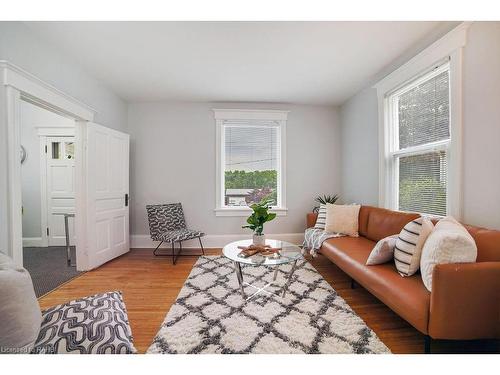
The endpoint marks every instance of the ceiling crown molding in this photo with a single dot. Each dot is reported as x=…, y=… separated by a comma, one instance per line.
x=250, y=114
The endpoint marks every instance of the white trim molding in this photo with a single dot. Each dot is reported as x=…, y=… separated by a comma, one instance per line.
x=245, y=211
x=210, y=241
x=33, y=242
x=42, y=94
x=250, y=114
x=16, y=85
x=279, y=118
x=448, y=48
x=66, y=131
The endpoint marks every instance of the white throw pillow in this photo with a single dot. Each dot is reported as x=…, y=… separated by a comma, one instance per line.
x=449, y=242
x=342, y=219
x=321, y=219
x=409, y=244
x=383, y=251
x=19, y=309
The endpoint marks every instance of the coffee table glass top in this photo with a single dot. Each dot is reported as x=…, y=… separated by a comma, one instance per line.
x=288, y=253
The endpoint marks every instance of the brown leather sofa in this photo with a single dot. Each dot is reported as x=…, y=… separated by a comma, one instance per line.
x=465, y=299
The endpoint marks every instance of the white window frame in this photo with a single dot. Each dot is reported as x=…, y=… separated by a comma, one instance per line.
x=222, y=115
x=449, y=47
x=394, y=153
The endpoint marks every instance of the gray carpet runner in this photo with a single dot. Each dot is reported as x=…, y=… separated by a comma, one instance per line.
x=48, y=268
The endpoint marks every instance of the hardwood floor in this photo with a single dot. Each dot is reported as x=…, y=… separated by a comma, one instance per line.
x=150, y=286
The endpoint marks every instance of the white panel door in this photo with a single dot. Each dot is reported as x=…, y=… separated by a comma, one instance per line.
x=107, y=180
x=60, y=157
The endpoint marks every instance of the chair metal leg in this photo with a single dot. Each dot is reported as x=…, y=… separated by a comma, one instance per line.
x=202, y=249
x=173, y=253
x=180, y=250
x=154, y=251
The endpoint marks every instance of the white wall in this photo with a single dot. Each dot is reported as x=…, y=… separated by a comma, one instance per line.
x=173, y=159
x=21, y=47
x=31, y=118
x=482, y=125
x=359, y=132
x=481, y=137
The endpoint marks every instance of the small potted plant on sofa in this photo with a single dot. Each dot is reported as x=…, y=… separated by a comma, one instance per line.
x=257, y=219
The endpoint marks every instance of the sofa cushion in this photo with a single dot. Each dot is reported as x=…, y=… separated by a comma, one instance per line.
x=377, y=223
x=487, y=242
x=91, y=325
x=19, y=309
x=407, y=296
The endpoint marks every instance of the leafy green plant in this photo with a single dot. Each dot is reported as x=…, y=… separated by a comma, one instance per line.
x=324, y=199
x=259, y=216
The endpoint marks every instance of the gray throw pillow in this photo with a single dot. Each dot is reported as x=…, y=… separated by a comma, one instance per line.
x=19, y=310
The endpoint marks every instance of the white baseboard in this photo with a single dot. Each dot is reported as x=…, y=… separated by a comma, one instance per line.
x=143, y=241
x=32, y=242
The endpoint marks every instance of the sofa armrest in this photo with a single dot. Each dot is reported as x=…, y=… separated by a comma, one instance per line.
x=465, y=301
x=311, y=219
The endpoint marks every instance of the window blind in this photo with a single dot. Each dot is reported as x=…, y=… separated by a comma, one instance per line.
x=250, y=148
x=423, y=118
x=251, y=161
x=424, y=112
x=422, y=183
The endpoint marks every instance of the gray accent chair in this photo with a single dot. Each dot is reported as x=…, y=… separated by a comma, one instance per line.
x=167, y=224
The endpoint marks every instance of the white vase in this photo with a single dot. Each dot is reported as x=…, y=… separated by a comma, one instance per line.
x=259, y=240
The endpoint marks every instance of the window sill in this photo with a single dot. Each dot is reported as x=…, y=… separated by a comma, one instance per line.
x=245, y=211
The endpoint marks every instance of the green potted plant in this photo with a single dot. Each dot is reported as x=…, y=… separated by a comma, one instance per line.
x=324, y=199
x=257, y=219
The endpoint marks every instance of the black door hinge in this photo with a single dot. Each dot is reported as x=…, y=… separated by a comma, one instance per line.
x=47, y=231
x=126, y=200
x=45, y=148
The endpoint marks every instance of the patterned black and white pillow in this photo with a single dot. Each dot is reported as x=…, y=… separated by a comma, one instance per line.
x=91, y=325
x=321, y=219
x=409, y=244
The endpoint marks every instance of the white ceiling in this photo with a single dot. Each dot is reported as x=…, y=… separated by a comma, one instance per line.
x=321, y=63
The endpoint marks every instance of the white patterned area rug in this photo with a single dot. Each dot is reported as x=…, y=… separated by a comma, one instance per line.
x=211, y=316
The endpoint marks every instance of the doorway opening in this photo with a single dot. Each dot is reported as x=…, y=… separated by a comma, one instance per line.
x=48, y=196
x=101, y=178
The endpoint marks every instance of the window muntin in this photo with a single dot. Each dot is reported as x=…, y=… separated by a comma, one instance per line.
x=419, y=114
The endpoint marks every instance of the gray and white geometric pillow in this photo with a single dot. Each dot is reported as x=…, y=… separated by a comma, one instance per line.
x=91, y=325
x=321, y=219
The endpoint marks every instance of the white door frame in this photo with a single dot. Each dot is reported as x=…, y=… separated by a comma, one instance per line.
x=43, y=134
x=15, y=85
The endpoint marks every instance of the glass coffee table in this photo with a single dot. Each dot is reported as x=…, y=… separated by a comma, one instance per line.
x=289, y=253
